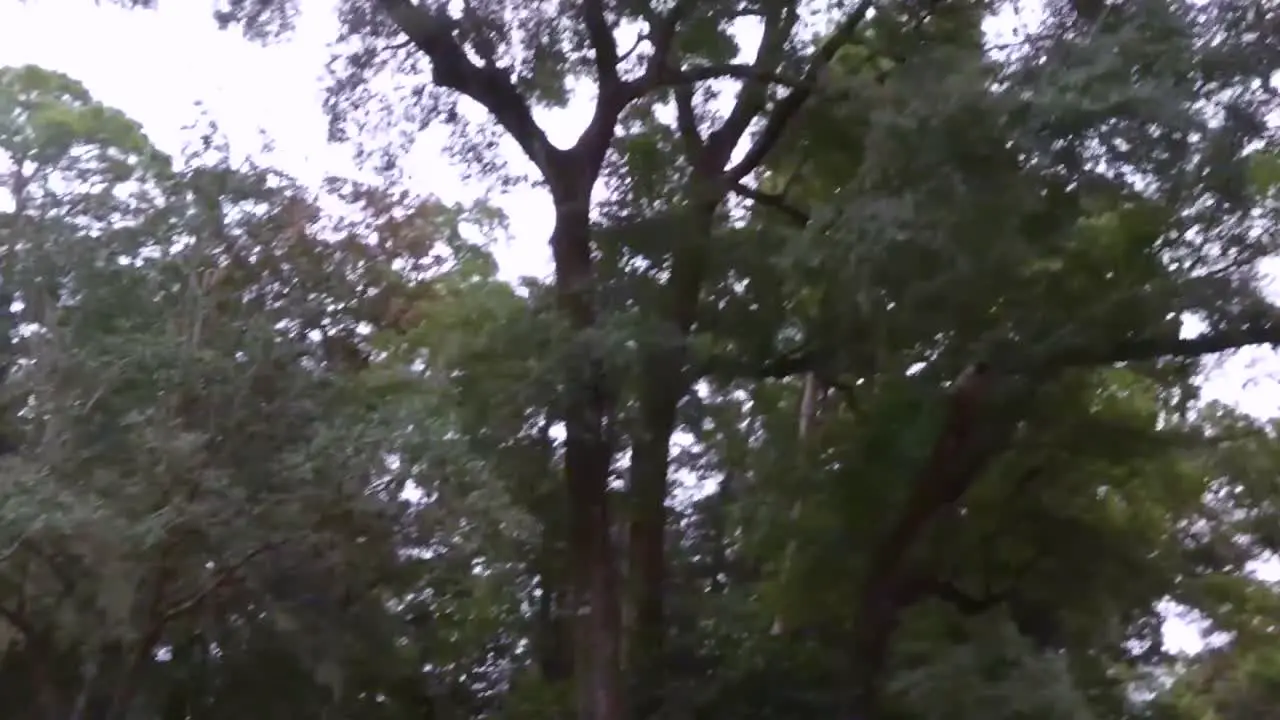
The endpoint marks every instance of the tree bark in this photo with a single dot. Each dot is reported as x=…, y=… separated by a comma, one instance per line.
x=646, y=544
x=588, y=456
x=665, y=380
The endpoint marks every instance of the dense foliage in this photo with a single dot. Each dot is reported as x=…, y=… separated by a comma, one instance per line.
x=866, y=385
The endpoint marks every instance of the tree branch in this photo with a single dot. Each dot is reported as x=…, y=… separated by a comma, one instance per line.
x=217, y=582
x=600, y=35
x=752, y=98
x=786, y=108
x=750, y=74
x=969, y=440
x=966, y=444
x=951, y=594
x=662, y=35
x=1260, y=332
x=807, y=357
x=772, y=200
x=687, y=124
x=631, y=50
x=431, y=31
x=964, y=449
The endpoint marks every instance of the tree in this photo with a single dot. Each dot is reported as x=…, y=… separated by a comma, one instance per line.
x=1067, y=201
x=197, y=485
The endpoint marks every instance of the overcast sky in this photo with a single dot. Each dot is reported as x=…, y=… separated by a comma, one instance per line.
x=157, y=65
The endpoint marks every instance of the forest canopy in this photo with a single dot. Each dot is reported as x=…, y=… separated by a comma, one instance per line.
x=866, y=384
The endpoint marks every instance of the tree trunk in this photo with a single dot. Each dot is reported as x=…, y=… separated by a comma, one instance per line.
x=554, y=662
x=552, y=635
x=646, y=544
x=665, y=380
x=810, y=398
x=588, y=456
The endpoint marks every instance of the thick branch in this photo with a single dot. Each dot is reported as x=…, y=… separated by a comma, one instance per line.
x=786, y=108
x=431, y=31
x=1031, y=622
x=13, y=549
x=966, y=444
x=970, y=439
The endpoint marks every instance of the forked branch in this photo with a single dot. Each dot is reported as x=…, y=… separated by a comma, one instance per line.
x=786, y=109
x=779, y=22
x=662, y=36
x=431, y=31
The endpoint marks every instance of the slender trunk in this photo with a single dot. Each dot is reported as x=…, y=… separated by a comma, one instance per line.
x=719, y=522
x=646, y=543
x=808, y=415
x=664, y=383
x=555, y=664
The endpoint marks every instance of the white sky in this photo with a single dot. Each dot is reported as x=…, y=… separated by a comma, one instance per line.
x=156, y=65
